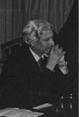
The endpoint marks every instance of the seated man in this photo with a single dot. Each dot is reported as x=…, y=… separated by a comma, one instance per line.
x=27, y=82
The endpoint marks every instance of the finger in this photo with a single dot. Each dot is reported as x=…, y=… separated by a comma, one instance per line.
x=60, y=50
x=56, y=47
x=62, y=54
x=52, y=50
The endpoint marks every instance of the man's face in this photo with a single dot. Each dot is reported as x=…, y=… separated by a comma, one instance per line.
x=44, y=45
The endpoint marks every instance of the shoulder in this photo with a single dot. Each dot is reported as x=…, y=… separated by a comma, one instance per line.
x=16, y=56
x=19, y=52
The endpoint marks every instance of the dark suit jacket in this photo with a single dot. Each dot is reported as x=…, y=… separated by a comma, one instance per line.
x=23, y=84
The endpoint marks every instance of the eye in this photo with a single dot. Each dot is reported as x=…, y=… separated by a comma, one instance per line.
x=47, y=39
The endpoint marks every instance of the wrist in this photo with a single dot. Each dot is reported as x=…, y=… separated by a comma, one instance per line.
x=51, y=67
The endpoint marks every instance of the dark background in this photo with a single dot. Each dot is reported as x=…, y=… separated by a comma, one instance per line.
x=68, y=38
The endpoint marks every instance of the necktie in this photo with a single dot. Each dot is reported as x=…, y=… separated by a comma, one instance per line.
x=42, y=62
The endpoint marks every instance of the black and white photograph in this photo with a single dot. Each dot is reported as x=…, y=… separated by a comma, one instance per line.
x=39, y=58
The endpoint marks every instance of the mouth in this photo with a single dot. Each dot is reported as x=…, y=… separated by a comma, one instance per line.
x=47, y=51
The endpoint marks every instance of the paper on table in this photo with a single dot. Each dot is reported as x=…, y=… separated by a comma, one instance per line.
x=16, y=112
x=43, y=106
x=6, y=110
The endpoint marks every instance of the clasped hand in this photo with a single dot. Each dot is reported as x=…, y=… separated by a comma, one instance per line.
x=54, y=57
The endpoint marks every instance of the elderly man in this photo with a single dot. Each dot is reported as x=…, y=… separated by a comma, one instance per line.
x=35, y=73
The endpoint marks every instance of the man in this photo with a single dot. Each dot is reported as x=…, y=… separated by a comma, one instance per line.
x=27, y=82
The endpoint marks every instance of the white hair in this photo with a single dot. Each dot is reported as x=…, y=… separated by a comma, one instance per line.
x=35, y=28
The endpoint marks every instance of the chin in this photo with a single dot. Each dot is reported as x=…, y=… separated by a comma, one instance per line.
x=47, y=51
x=46, y=54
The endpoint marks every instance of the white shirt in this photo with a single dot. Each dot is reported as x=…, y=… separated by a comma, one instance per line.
x=35, y=55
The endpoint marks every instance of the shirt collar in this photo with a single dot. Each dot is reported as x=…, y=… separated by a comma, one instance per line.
x=35, y=55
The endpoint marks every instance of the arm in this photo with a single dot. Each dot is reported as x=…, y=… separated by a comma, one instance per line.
x=60, y=81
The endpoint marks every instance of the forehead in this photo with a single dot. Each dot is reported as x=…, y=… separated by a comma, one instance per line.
x=46, y=34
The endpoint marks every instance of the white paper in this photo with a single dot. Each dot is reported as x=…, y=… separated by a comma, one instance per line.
x=16, y=112
x=45, y=105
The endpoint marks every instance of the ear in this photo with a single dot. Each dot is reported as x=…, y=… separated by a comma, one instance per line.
x=27, y=40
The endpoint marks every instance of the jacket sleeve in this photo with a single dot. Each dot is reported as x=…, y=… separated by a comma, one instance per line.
x=60, y=83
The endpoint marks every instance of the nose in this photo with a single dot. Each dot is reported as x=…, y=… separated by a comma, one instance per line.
x=51, y=42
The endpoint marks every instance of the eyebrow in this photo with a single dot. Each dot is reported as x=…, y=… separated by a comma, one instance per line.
x=47, y=38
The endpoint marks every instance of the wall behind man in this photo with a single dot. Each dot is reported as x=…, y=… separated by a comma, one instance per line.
x=68, y=38
x=11, y=20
